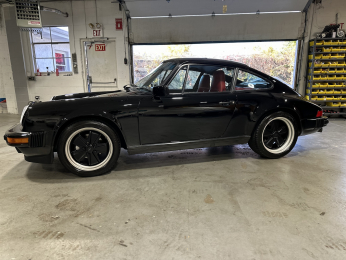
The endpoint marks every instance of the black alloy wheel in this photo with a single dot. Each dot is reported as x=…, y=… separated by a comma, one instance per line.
x=275, y=134
x=89, y=148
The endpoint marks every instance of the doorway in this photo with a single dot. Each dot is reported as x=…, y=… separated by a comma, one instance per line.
x=100, y=65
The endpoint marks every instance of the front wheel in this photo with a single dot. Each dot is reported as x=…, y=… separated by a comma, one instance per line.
x=275, y=136
x=89, y=148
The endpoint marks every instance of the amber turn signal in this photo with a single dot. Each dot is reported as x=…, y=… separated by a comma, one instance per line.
x=20, y=140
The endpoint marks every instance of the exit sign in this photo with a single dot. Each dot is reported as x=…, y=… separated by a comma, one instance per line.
x=96, y=33
x=100, y=47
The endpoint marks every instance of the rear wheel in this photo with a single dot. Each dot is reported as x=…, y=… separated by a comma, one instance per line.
x=275, y=136
x=89, y=148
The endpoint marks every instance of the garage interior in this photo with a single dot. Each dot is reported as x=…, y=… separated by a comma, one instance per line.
x=209, y=203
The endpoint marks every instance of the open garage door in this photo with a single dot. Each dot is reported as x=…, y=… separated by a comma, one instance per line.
x=252, y=27
x=275, y=58
x=152, y=8
x=187, y=21
x=205, y=21
x=182, y=21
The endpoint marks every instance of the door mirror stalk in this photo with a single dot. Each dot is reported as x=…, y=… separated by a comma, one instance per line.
x=159, y=91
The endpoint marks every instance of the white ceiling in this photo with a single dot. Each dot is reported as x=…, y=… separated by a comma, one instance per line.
x=147, y=8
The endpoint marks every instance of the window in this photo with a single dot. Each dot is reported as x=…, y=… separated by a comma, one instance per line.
x=51, y=49
x=161, y=77
x=176, y=85
x=156, y=77
x=192, y=78
x=209, y=78
x=246, y=81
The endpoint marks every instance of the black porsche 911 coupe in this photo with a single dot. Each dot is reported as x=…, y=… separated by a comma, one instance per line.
x=182, y=104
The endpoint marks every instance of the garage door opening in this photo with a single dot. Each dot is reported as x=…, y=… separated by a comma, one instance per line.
x=276, y=59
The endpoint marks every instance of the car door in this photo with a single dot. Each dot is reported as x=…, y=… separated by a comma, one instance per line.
x=199, y=106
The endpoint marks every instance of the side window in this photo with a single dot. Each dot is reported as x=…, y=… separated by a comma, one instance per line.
x=176, y=85
x=160, y=78
x=247, y=81
x=191, y=80
x=209, y=78
x=229, y=76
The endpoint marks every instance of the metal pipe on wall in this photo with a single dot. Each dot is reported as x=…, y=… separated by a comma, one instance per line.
x=53, y=10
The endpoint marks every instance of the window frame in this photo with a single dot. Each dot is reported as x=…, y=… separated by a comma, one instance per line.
x=168, y=77
x=230, y=90
x=251, y=89
x=172, y=76
x=52, y=50
x=187, y=74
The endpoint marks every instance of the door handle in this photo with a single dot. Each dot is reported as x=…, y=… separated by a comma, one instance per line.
x=227, y=103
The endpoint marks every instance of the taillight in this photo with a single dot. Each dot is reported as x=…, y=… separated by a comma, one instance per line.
x=319, y=113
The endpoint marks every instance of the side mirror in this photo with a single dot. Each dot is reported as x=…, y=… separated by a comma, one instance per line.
x=160, y=91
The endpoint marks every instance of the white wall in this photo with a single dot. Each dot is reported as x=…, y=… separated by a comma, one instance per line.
x=218, y=28
x=318, y=17
x=6, y=78
x=80, y=15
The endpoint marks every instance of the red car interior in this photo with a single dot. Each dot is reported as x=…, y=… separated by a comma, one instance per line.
x=204, y=84
x=218, y=82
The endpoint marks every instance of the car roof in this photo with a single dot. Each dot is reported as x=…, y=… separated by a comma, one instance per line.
x=208, y=61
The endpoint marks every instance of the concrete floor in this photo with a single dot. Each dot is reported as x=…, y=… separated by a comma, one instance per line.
x=218, y=203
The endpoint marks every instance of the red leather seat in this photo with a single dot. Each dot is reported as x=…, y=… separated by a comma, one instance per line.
x=218, y=83
x=204, y=84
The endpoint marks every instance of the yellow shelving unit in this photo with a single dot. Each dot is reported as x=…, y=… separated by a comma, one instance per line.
x=326, y=84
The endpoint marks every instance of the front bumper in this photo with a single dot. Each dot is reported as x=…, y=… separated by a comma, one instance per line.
x=37, y=149
x=313, y=125
x=16, y=131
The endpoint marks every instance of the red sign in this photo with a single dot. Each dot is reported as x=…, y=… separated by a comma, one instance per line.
x=100, y=47
x=34, y=22
x=119, y=24
x=59, y=58
x=96, y=33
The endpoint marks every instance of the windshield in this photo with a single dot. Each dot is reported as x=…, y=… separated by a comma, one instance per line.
x=156, y=76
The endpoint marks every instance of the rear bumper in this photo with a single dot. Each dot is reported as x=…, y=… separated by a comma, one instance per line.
x=313, y=125
x=37, y=149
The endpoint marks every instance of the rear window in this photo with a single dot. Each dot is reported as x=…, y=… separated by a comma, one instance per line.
x=247, y=81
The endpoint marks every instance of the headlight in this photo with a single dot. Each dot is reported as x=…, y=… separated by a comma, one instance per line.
x=23, y=113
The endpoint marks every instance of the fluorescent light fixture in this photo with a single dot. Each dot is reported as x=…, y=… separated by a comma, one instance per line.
x=197, y=15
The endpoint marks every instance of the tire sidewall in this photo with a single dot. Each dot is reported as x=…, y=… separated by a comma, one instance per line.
x=84, y=124
x=258, y=135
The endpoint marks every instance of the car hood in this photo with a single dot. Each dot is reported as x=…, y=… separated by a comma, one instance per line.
x=89, y=95
x=82, y=104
